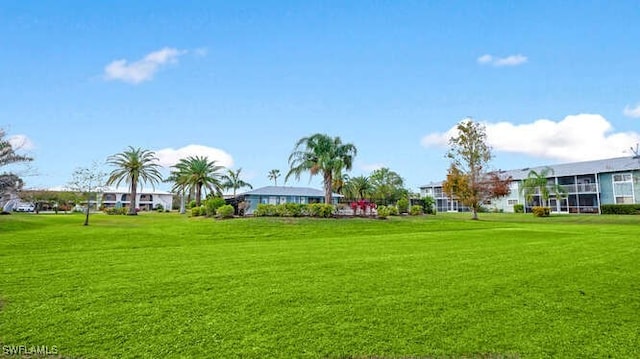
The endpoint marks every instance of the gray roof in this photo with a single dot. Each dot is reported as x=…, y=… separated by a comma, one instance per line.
x=581, y=168
x=574, y=169
x=287, y=191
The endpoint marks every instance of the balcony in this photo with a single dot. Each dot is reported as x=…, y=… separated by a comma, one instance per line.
x=579, y=188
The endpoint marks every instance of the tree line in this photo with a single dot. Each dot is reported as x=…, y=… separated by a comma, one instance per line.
x=468, y=180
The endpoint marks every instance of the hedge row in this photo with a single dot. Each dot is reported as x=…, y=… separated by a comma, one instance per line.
x=620, y=208
x=294, y=210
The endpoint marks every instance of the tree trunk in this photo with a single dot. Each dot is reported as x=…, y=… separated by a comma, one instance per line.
x=182, y=204
x=132, y=200
x=86, y=219
x=327, y=187
x=198, y=194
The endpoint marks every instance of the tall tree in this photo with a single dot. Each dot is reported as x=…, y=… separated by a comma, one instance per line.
x=233, y=181
x=273, y=176
x=88, y=182
x=134, y=166
x=468, y=179
x=537, y=183
x=388, y=186
x=321, y=154
x=196, y=172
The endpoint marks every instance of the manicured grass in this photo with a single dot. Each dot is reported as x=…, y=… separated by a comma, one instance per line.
x=164, y=285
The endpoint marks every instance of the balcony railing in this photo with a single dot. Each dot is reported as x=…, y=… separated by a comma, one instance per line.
x=580, y=188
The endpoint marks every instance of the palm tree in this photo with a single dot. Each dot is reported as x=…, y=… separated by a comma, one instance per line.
x=359, y=187
x=195, y=172
x=273, y=175
x=340, y=181
x=134, y=166
x=537, y=183
x=232, y=181
x=179, y=188
x=320, y=153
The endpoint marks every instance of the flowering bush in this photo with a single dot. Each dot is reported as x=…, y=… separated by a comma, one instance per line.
x=363, y=205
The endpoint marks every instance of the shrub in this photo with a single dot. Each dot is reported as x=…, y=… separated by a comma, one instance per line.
x=265, y=210
x=159, y=208
x=225, y=211
x=191, y=204
x=429, y=205
x=383, y=211
x=198, y=211
x=321, y=210
x=620, y=209
x=393, y=210
x=518, y=208
x=415, y=210
x=363, y=205
x=116, y=211
x=291, y=209
x=212, y=204
x=540, y=211
x=403, y=205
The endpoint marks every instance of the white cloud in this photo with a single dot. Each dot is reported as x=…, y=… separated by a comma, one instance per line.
x=21, y=142
x=632, y=111
x=512, y=60
x=168, y=156
x=143, y=69
x=575, y=138
x=485, y=59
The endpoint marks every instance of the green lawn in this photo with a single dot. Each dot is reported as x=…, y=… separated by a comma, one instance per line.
x=164, y=285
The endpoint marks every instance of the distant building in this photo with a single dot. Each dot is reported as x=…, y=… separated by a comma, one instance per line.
x=145, y=201
x=282, y=194
x=588, y=185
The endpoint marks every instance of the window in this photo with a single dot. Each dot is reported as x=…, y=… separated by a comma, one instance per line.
x=623, y=188
x=511, y=202
x=622, y=177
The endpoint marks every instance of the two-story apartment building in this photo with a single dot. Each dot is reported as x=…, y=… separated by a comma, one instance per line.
x=587, y=185
x=146, y=200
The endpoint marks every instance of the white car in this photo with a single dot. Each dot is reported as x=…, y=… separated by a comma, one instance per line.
x=25, y=207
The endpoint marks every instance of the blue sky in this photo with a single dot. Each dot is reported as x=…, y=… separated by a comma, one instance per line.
x=241, y=82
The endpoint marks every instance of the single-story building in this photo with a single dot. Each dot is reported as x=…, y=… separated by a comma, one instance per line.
x=588, y=185
x=282, y=194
